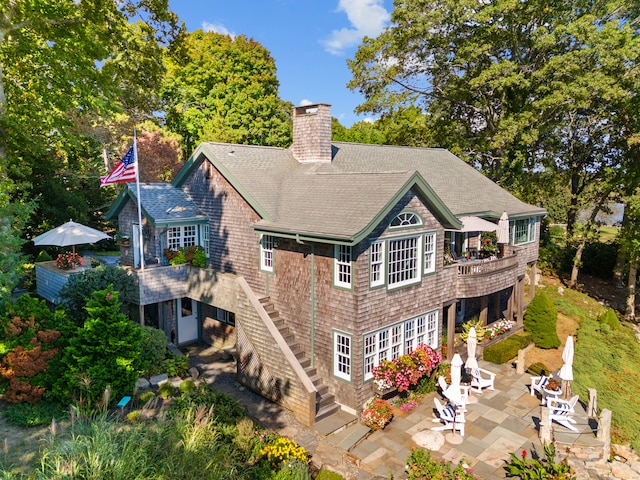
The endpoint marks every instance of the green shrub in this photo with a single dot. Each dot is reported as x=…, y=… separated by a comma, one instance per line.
x=505, y=350
x=293, y=469
x=134, y=416
x=540, y=320
x=155, y=349
x=328, y=475
x=538, y=369
x=537, y=467
x=106, y=351
x=146, y=397
x=176, y=365
x=79, y=289
x=226, y=408
x=610, y=318
x=187, y=386
x=43, y=257
x=28, y=415
x=420, y=465
x=199, y=258
x=166, y=390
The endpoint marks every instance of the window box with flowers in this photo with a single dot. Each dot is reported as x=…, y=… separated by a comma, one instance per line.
x=122, y=240
x=407, y=370
x=193, y=254
x=68, y=261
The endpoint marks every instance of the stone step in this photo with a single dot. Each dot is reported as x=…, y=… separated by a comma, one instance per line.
x=350, y=436
x=335, y=422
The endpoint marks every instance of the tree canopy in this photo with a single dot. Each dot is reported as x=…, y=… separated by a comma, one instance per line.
x=224, y=89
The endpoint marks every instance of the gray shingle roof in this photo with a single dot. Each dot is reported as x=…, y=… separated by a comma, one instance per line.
x=342, y=197
x=164, y=203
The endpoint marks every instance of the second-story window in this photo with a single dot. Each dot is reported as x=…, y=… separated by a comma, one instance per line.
x=266, y=253
x=430, y=252
x=403, y=261
x=342, y=266
x=376, y=264
x=183, y=236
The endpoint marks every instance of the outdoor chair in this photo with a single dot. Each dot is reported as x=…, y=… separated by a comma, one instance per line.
x=481, y=378
x=452, y=419
x=538, y=384
x=561, y=410
x=460, y=400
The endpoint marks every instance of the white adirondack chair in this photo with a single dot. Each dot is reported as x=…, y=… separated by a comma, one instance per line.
x=561, y=411
x=481, y=378
x=452, y=419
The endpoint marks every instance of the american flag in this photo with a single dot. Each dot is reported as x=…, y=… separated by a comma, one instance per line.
x=125, y=171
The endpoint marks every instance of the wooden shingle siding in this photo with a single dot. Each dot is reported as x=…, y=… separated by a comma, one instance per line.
x=233, y=243
x=50, y=280
x=159, y=284
x=214, y=332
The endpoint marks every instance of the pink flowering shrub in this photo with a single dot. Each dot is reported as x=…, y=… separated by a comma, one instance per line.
x=407, y=370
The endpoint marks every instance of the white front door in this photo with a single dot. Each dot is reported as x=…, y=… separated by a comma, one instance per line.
x=187, y=320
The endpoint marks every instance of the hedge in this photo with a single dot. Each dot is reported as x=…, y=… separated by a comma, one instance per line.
x=505, y=350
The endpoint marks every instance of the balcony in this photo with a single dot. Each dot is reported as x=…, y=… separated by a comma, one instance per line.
x=477, y=278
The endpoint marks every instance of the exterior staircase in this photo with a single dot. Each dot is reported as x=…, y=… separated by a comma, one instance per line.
x=325, y=401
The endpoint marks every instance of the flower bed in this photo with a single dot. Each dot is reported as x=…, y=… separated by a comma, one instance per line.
x=406, y=370
x=498, y=328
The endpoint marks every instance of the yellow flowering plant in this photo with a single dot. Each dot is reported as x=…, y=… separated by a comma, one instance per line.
x=283, y=449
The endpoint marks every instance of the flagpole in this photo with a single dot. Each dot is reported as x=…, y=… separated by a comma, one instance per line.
x=140, y=236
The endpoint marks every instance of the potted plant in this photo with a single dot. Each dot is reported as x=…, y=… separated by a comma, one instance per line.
x=377, y=413
x=488, y=244
x=122, y=240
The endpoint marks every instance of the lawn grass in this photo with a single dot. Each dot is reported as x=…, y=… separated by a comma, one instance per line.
x=608, y=234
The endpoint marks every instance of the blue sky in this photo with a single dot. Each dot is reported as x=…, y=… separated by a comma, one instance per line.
x=310, y=41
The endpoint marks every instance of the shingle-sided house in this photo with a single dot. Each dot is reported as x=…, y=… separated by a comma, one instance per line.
x=324, y=258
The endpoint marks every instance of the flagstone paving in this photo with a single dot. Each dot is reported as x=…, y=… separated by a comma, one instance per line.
x=500, y=422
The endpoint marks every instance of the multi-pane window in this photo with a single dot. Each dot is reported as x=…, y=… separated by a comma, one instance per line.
x=430, y=252
x=523, y=231
x=376, y=261
x=205, y=238
x=184, y=236
x=225, y=316
x=405, y=219
x=403, y=338
x=403, y=261
x=342, y=355
x=266, y=253
x=342, y=266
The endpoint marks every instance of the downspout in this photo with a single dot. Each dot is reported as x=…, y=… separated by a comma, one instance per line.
x=312, y=295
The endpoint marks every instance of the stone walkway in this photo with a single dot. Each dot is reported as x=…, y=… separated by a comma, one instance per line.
x=499, y=422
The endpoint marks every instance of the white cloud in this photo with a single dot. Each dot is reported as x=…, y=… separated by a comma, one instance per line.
x=367, y=17
x=304, y=102
x=218, y=28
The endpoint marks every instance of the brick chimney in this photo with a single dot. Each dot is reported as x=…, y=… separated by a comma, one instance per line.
x=312, y=133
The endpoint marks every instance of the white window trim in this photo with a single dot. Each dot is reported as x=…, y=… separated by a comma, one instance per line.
x=341, y=265
x=418, y=267
x=424, y=330
x=406, y=220
x=430, y=267
x=204, y=229
x=531, y=230
x=182, y=239
x=266, y=252
x=380, y=263
x=342, y=365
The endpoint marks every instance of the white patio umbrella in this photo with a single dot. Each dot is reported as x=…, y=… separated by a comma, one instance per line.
x=70, y=234
x=456, y=372
x=503, y=228
x=566, y=372
x=472, y=341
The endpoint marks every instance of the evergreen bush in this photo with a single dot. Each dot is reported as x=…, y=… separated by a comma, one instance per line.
x=537, y=369
x=79, y=289
x=155, y=349
x=540, y=320
x=166, y=390
x=504, y=350
x=610, y=318
x=43, y=256
x=106, y=351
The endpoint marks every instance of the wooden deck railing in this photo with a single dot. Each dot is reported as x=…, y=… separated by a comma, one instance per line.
x=485, y=266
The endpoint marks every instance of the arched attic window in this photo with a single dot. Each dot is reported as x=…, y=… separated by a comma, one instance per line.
x=405, y=219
